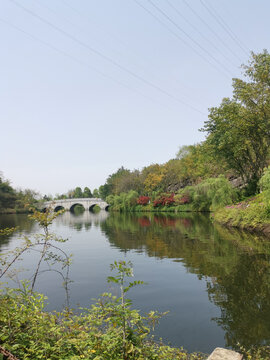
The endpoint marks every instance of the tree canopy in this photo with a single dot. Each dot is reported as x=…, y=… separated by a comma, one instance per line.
x=239, y=129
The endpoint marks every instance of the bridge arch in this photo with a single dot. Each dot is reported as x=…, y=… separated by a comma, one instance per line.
x=58, y=207
x=91, y=207
x=74, y=204
x=68, y=204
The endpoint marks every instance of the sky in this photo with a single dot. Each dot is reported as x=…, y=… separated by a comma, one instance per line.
x=88, y=86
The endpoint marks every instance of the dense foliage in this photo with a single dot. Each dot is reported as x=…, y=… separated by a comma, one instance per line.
x=76, y=193
x=12, y=200
x=239, y=129
x=29, y=332
x=191, y=165
x=208, y=195
x=252, y=213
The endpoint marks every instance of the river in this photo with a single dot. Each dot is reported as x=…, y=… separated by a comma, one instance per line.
x=214, y=282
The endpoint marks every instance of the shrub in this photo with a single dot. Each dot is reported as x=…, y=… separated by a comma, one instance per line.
x=264, y=182
x=110, y=330
x=212, y=194
x=184, y=199
x=164, y=200
x=143, y=200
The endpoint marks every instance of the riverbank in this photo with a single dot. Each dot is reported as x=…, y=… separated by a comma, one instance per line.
x=14, y=211
x=96, y=333
x=252, y=214
x=150, y=208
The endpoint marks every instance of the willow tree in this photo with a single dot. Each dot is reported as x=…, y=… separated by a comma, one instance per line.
x=239, y=129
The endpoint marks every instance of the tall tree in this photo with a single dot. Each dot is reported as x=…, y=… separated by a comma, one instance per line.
x=104, y=191
x=95, y=193
x=239, y=129
x=7, y=195
x=78, y=193
x=87, y=192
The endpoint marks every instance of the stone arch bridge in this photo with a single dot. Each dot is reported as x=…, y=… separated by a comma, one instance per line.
x=69, y=204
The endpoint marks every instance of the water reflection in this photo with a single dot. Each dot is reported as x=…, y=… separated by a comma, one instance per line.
x=83, y=220
x=234, y=265
x=22, y=222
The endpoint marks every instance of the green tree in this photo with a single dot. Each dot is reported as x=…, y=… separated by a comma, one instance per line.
x=78, y=193
x=104, y=191
x=239, y=129
x=87, y=193
x=7, y=195
x=27, y=197
x=95, y=193
x=114, y=181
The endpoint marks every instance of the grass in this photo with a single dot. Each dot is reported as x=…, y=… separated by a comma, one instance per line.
x=251, y=214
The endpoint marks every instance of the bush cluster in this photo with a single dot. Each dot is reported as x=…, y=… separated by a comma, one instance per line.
x=30, y=333
x=164, y=200
x=208, y=195
x=143, y=200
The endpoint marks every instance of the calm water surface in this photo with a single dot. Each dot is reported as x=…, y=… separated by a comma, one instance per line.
x=215, y=282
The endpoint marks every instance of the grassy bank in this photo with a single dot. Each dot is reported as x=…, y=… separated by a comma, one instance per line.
x=251, y=214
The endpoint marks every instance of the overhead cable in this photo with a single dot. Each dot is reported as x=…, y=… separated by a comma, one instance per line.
x=222, y=23
x=199, y=31
x=83, y=28
x=105, y=57
x=180, y=38
x=188, y=36
x=212, y=31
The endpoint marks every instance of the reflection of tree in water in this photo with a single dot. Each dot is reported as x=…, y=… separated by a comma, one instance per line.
x=235, y=264
x=244, y=298
x=22, y=222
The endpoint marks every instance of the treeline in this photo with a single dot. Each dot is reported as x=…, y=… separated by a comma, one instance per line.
x=208, y=195
x=16, y=200
x=236, y=147
x=76, y=193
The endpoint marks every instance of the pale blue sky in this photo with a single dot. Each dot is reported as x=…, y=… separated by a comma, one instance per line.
x=89, y=86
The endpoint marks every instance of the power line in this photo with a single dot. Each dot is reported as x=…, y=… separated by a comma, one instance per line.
x=33, y=37
x=105, y=57
x=82, y=14
x=82, y=28
x=189, y=37
x=73, y=58
x=202, y=35
x=222, y=23
x=213, y=32
x=178, y=37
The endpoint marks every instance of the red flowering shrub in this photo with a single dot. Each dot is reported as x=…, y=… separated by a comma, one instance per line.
x=143, y=200
x=164, y=200
x=157, y=202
